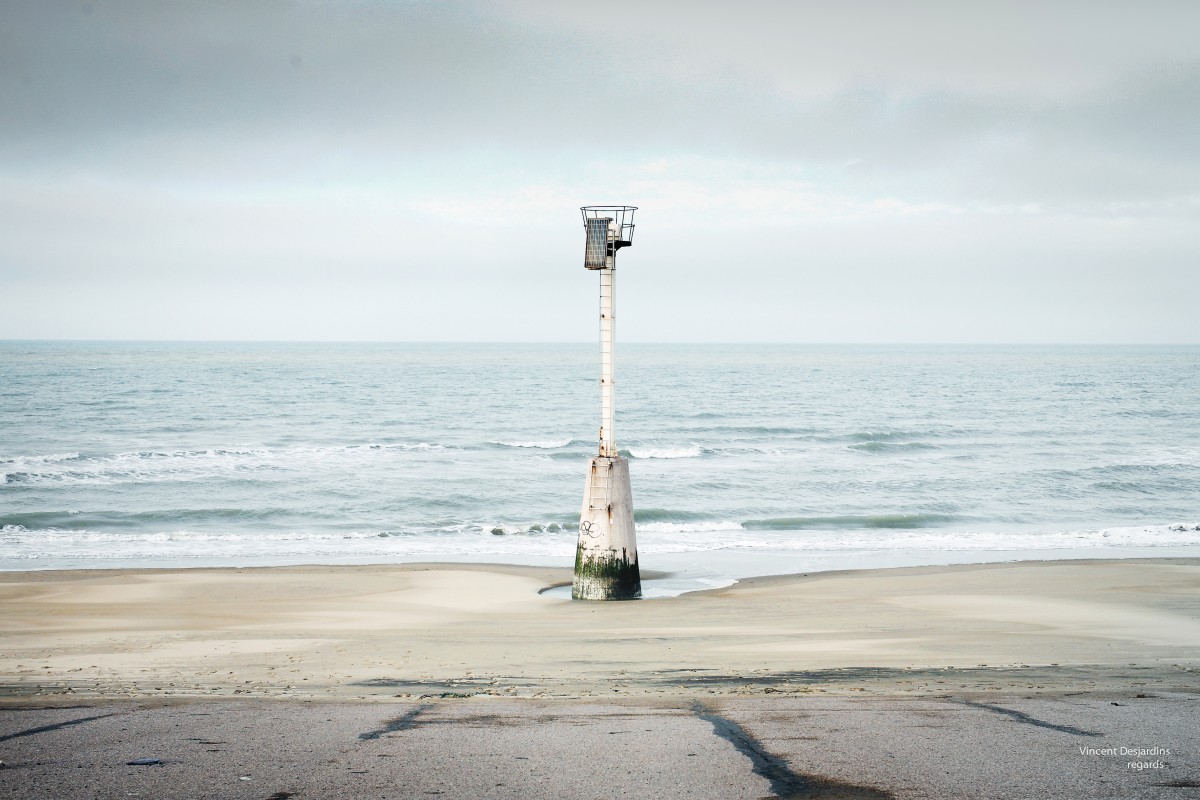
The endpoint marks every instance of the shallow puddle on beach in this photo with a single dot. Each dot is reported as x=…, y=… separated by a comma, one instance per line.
x=657, y=588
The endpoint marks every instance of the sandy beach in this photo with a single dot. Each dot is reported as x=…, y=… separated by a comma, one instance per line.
x=1045, y=656
x=380, y=632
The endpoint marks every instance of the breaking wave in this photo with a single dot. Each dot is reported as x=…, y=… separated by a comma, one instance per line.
x=186, y=465
x=692, y=451
x=41, y=548
x=546, y=444
x=891, y=447
x=850, y=521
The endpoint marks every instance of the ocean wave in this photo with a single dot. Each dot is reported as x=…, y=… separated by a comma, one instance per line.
x=216, y=452
x=890, y=447
x=880, y=436
x=414, y=447
x=1153, y=413
x=43, y=459
x=501, y=529
x=905, y=435
x=47, y=547
x=748, y=430
x=895, y=441
x=641, y=515
x=546, y=444
x=682, y=538
x=189, y=464
x=849, y=521
x=692, y=451
x=118, y=527
x=16, y=469
x=53, y=547
x=700, y=526
x=132, y=521
x=742, y=449
x=142, y=465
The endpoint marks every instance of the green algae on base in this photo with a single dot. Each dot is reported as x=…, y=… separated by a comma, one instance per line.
x=607, y=576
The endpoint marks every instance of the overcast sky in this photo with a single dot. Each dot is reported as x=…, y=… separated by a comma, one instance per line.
x=406, y=170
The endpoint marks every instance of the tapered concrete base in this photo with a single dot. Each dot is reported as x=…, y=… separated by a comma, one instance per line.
x=606, y=562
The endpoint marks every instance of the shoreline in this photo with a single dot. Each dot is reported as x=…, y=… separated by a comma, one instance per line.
x=388, y=632
x=675, y=573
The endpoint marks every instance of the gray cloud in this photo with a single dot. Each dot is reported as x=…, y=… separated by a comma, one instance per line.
x=314, y=159
x=267, y=85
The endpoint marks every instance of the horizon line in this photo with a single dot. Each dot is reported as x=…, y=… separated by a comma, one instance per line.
x=65, y=340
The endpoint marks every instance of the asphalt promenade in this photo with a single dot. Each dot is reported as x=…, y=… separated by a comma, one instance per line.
x=985, y=746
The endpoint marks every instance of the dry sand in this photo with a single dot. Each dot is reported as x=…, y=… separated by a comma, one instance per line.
x=413, y=631
x=1027, y=680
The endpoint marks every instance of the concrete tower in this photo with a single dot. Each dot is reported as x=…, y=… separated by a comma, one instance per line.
x=606, y=561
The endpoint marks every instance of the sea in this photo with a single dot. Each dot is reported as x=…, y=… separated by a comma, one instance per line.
x=745, y=459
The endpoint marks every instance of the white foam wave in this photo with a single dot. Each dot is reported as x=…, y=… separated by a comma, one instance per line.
x=43, y=459
x=186, y=465
x=692, y=451
x=21, y=465
x=548, y=444
x=689, y=527
x=50, y=548
x=218, y=452
x=679, y=537
x=508, y=529
x=418, y=447
x=24, y=549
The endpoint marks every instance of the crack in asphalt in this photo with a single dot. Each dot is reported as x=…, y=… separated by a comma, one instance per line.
x=402, y=723
x=786, y=783
x=1022, y=717
x=54, y=727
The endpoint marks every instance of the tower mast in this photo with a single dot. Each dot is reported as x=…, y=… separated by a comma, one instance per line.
x=606, y=562
x=608, y=332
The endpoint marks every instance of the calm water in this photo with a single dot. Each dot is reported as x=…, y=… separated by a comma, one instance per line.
x=745, y=459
